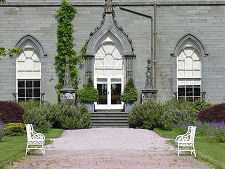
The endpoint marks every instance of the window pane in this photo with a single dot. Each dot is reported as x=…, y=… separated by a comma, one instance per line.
x=197, y=91
x=189, y=91
x=181, y=91
x=21, y=92
x=21, y=84
x=36, y=92
x=36, y=83
x=28, y=84
x=21, y=99
x=28, y=92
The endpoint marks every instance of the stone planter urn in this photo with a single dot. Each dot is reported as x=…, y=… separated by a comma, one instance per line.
x=90, y=106
x=128, y=106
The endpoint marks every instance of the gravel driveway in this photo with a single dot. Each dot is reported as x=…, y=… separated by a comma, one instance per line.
x=109, y=148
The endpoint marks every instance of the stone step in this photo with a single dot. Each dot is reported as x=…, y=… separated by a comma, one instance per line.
x=109, y=119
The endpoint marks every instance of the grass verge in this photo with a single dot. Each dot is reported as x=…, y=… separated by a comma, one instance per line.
x=13, y=148
x=206, y=149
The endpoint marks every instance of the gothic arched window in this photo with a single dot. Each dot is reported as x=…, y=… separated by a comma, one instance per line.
x=189, y=74
x=28, y=72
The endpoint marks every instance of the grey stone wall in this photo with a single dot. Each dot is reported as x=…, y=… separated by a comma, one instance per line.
x=175, y=19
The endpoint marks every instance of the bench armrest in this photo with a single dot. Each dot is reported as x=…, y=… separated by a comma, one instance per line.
x=181, y=138
x=38, y=136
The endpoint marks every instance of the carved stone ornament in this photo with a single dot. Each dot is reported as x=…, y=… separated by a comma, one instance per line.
x=108, y=23
x=67, y=93
x=148, y=93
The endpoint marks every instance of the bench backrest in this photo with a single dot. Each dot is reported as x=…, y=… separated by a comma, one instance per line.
x=29, y=130
x=192, y=130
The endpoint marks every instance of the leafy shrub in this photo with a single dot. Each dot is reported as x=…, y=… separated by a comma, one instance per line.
x=76, y=118
x=58, y=116
x=30, y=104
x=38, y=117
x=11, y=112
x=177, y=112
x=68, y=117
x=145, y=115
x=200, y=104
x=15, y=129
x=88, y=93
x=213, y=114
x=130, y=93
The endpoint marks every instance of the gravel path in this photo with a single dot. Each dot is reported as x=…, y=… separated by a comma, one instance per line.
x=109, y=148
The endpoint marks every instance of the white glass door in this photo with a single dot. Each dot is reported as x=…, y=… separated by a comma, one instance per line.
x=110, y=89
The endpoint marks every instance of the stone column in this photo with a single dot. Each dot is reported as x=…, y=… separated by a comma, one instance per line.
x=88, y=66
x=148, y=93
x=129, y=66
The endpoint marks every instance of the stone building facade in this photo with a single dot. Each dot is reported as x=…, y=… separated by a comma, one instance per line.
x=189, y=48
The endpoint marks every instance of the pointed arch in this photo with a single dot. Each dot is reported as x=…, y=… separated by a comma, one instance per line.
x=109, y=25
x=28, y=69
x=189, y=54
x=190, y=40
x=29, y=40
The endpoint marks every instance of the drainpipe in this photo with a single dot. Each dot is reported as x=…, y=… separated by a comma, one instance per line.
x=155, y=32
x=152, y=33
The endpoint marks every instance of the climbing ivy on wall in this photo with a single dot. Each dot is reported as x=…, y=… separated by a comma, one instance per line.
x=65, y=15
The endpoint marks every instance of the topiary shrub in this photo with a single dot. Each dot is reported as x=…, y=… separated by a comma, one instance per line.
x=177, y=112
x=146, y=116
x=130, y=93
x=15, y=129
x=213, y=114
x=88, y=93
x=11, y=112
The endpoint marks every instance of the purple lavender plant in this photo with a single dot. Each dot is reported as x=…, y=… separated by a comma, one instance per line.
x=1, y=130
x=218, y=131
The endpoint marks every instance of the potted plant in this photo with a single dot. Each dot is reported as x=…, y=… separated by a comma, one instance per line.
x=88, y=95
x=129, y=95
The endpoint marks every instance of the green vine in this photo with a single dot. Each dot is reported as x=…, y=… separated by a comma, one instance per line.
x=65, y=15
x=2, y=52
x=11, y=51
x=14, y=50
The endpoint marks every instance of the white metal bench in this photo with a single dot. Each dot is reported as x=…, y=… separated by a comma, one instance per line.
x=186, y=142
x=34, y=140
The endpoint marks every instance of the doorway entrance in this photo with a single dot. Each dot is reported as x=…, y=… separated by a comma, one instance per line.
x=108, y=77
x=109, y=89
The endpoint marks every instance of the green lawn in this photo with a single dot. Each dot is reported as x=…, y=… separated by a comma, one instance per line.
x=206, y=149
x=13, y=148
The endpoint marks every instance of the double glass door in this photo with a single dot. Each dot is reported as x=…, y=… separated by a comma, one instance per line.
x=109, y=89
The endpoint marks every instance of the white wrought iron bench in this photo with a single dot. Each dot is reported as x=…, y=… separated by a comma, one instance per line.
x=186, y=142
x=34, y=140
